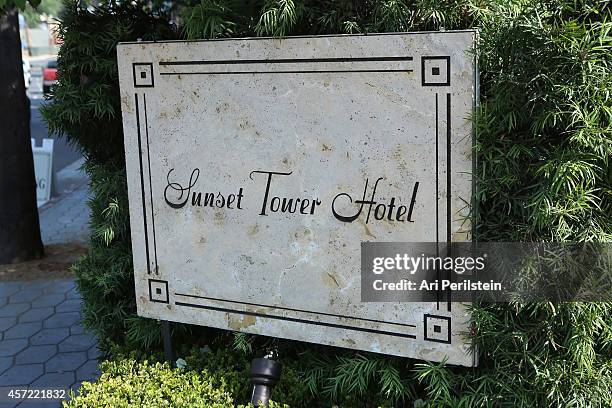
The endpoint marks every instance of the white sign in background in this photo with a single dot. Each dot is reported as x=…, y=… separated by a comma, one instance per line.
x=247, y=160
x=43, y=169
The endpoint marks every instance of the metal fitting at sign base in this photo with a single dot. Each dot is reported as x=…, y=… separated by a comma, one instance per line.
x=265, y=374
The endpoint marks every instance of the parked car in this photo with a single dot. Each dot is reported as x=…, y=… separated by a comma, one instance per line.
x=49, y=75
x=27, y=73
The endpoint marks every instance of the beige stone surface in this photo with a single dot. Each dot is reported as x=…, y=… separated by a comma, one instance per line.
x=335, y=112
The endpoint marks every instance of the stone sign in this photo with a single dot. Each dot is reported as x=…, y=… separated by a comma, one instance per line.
x=257, y=167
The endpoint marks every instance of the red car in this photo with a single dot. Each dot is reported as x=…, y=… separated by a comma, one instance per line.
x=49, y=76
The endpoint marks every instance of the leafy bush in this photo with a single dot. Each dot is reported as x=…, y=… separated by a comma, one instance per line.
x=544, y=142
x=133, y=384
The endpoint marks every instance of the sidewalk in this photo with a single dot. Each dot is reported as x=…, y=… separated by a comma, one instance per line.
x=65, y=218
x=43, y=344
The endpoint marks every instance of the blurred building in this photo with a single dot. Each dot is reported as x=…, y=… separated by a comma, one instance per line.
x=40, y=40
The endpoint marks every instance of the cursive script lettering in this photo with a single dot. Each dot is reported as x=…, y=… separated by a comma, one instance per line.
x=183, y=191
x=181, y=195
x=303, y=206
x=390, y=211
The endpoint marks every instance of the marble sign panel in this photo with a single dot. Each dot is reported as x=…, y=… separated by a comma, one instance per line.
x=257, y=167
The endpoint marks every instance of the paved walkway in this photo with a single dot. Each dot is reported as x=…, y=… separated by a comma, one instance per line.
x=43, y=344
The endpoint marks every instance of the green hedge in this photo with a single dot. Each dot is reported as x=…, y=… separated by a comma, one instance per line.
x=131, y=383
x=544, y=143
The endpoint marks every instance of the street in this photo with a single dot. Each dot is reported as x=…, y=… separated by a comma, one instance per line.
x=63, y=153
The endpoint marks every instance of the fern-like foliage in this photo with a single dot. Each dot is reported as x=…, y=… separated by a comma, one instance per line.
x=278, y=18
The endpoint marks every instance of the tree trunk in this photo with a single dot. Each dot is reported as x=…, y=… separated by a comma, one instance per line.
x=19, y=228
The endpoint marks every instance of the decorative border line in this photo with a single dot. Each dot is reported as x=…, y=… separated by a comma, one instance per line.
x=142, y=185
x=437, y=203
x=295, y=310
x=144, y=95
x=296, y=320
x=448, y=195
x=448, y=169
x=449, y=221
x=285, y=61
x=353, y=71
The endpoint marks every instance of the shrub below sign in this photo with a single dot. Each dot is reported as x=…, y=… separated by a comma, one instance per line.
x=206, y=378
x=129, y=383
